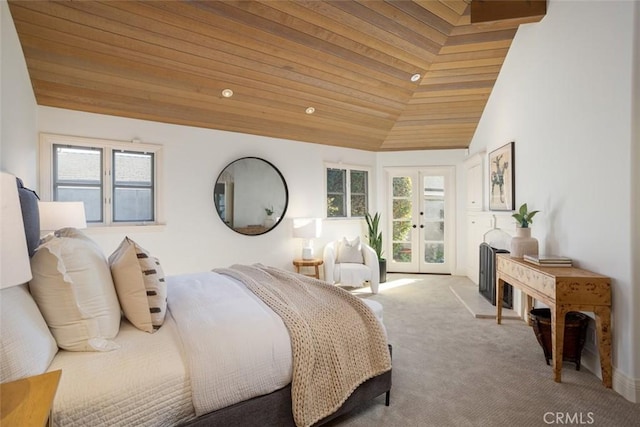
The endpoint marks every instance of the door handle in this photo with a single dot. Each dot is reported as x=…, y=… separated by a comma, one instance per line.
x=421, y=225
x=414, y=226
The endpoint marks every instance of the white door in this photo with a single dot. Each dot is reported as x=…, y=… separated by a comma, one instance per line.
x=421, y=212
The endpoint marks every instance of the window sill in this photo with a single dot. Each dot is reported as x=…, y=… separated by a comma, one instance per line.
x=344, y=218
x=126, y=228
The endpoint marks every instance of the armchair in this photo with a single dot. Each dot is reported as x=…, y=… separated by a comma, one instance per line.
x=351, y=263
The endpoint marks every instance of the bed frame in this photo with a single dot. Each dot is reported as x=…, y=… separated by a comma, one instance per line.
x=273, y=409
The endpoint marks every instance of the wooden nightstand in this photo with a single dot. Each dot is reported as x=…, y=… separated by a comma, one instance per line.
x=315, y=262
x=27, y=402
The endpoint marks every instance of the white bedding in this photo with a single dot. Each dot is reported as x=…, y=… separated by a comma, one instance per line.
x=143, y=383
x=237, y=348
x=242, y=350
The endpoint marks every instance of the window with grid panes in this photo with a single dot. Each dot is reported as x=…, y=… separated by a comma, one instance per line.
x=347, y=191
x=116, y=181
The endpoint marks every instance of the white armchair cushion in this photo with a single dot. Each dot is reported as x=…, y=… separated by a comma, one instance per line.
x=350, y=251
x=350, y=273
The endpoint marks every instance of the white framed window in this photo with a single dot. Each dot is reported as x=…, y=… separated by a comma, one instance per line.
x=118, y=181
x=347, y=190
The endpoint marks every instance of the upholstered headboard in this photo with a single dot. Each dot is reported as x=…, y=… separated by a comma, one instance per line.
x=26, y=344
x=30, y=215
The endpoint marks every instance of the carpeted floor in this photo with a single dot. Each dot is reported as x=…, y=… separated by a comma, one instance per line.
x=451, y=369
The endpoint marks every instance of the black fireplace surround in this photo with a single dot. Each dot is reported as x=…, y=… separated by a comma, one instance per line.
x=487, y=278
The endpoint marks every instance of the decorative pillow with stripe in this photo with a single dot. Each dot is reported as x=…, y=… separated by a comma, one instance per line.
x=140, y=285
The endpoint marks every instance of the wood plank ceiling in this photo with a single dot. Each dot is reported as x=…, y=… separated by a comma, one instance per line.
x=352, y=61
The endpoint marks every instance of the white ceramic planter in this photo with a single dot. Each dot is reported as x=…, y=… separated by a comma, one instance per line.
x=523, y=244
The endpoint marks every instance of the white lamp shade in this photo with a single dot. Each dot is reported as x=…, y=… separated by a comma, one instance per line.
x=307, y=228
x=57, y=215
x=14, y=256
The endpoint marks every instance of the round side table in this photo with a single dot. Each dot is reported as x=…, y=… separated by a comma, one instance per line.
x=314, y=262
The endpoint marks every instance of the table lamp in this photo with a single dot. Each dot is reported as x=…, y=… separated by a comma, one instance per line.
x=307, y=229
x=57, y=215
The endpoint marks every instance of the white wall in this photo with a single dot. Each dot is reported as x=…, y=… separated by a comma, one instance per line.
x=635, y=189
x=194, y=238
x=564, y=96
x=18, y=112
x=193, y=159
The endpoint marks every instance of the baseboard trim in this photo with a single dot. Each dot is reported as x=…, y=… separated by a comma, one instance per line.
x=627, y=387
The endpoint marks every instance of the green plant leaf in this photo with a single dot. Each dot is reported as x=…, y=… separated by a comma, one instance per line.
x=374, y=236
x=524, y=217
x=523, y=209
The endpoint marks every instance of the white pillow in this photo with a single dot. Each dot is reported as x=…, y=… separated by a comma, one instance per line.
x=26, y=345
x=73, y=288
x=350, y=251
x=140, y=285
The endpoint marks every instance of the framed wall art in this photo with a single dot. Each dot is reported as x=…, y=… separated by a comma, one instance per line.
x=502, y=190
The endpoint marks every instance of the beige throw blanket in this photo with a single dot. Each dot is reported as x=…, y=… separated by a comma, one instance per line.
x=336, y=340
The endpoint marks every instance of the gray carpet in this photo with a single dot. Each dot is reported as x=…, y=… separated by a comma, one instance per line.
x=451, y=369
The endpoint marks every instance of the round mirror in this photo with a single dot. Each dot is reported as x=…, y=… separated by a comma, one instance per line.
x=251, y=196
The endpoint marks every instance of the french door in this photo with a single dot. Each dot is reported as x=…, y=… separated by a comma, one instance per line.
x=421, y=220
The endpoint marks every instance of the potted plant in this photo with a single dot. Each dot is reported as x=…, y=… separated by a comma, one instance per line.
x=269, y=221
x=375, y=241
x=522, y=243
x=524, y=217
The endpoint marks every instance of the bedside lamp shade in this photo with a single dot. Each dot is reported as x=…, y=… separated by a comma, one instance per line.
x=57, y=215
x=15, y=268
x=308, y=229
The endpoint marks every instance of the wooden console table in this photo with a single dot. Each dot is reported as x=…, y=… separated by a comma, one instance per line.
x=563, y=289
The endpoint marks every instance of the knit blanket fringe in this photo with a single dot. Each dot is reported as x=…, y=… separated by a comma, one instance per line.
x=336, y=340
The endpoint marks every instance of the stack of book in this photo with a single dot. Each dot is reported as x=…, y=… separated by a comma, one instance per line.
x=548, y=260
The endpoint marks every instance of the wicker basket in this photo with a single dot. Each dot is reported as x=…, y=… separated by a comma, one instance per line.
x=575, y=334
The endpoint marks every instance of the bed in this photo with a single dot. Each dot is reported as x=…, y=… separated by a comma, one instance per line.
x=230, y=348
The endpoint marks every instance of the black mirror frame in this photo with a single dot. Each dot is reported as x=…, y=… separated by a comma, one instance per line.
x=284, y=184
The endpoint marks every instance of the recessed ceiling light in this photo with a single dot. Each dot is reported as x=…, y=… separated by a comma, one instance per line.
x=415, y=77
x=310, y=110
x=227, y=93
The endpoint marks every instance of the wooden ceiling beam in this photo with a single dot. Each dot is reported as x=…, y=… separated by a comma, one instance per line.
x=499, y=10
